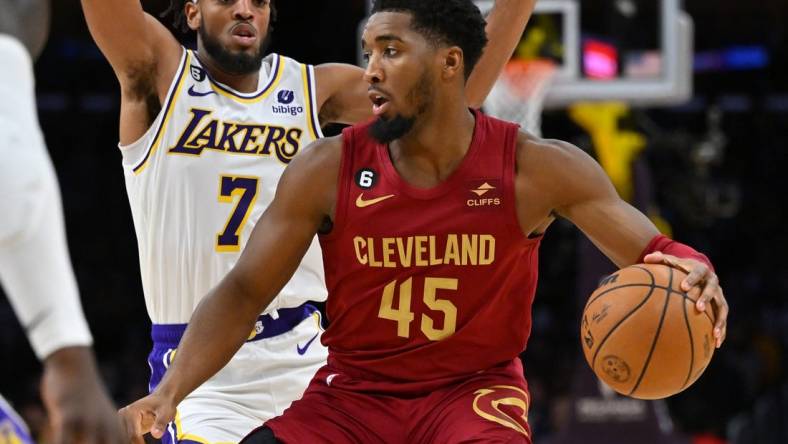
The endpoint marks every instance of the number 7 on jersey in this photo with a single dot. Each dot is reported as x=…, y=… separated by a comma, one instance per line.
x=242, y=190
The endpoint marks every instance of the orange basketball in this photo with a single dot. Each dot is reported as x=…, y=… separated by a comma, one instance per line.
x=643, y=336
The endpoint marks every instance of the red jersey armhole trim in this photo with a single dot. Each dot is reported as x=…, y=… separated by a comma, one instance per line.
x=343, y=185
x=509, y=173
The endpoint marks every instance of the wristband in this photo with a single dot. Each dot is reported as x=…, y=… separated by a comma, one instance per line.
x=666, y=245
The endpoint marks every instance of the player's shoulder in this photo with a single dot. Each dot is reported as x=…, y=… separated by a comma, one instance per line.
x=325, y=147
x=274, y=58
x=314, y=172
x=550, y=160
x=534, y=149
x=319, y=156
x=558, y=171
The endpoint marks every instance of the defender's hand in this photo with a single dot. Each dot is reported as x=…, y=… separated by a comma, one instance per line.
x=700, y=279
x=149, y=414
x=78, y=405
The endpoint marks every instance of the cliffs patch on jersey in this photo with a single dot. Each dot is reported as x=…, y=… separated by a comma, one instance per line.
x=203, y=132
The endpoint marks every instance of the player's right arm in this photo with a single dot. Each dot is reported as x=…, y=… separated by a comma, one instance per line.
x=143, y=54
x=305, y=197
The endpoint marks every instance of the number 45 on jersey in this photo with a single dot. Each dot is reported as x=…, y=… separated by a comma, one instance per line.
x=403, y=316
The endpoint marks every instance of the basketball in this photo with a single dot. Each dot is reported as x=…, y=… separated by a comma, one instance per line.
x=642, y=335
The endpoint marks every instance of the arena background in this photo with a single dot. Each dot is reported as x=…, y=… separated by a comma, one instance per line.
x=717, y=174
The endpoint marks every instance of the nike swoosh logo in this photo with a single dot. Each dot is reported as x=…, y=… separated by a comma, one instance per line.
x=194, y=93
x=361, y=203
x=301, y=350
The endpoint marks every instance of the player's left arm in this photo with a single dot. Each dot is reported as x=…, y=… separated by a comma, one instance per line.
x=342, y=92
x=588, y=199
x=222, y=321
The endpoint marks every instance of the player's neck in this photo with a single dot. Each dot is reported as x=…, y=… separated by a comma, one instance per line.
x=245, y=83
x=435, y=146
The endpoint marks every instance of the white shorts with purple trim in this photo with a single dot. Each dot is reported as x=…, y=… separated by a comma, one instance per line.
x=270, y=371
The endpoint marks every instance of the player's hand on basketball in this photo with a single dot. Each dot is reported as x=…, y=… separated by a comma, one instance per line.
x=80, y=410
x=700, y=280
x=150, y=414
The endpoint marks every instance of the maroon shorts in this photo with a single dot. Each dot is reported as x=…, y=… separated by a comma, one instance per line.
x=488, y=407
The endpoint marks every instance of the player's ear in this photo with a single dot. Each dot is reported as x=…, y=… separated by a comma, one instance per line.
x=193, y=17
x=452, y=63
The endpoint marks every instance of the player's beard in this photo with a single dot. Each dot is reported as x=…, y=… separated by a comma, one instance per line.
x=234, y=63
x=386, y=130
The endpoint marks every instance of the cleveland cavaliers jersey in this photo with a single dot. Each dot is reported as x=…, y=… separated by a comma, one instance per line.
x=204, y=172
x=427, y=286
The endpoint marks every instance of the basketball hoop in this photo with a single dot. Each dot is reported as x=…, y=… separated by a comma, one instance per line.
x=518, y=95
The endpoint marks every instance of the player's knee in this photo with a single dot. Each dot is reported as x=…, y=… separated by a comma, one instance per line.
x=263, y=435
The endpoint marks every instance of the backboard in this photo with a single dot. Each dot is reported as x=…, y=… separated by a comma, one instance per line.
x=636, y=51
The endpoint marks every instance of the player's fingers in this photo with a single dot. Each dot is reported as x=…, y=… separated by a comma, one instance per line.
x=694, y=294
x=659, y=257
x=654, y=258
x=157, y=431
x=724, y=335
x=710, y=289
x=131, y=424
x=720, y=332
x=163, y=417
x=697, y=273
x=133, y=434
x=721, y=324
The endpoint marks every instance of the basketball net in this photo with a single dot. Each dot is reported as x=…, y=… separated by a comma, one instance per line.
x=518, y=95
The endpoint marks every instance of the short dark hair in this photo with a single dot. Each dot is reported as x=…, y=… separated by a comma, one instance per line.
x=179, y=18
x=448, y=22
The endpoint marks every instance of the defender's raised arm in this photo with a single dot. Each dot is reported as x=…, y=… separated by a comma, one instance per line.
x=131, y=39
x=143, y=54
x=505, y=25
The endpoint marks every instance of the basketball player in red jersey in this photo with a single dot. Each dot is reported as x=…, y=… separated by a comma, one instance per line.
x=257, y=110
x=430, y=218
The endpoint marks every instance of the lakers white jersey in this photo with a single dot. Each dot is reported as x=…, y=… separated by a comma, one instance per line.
x=203, y=174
